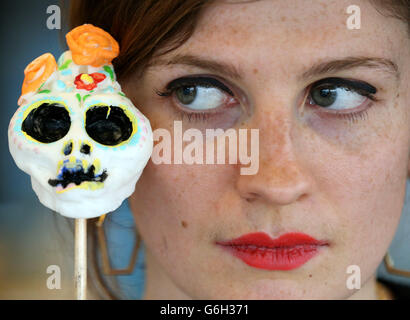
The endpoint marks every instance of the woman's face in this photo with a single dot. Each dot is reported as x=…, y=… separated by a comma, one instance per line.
x=338, y=178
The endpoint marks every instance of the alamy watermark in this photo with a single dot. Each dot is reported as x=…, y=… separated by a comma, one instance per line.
x=353, y=281
x=354, y=20
x=54, y=20
x=54, y=280
x=201, y=148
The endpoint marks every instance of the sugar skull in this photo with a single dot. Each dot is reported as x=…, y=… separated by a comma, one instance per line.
x=75, y=133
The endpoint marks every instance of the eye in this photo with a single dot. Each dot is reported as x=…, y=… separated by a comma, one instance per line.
x=47, y=123
x=108, y=125
x=199, y=93
x=340, y=94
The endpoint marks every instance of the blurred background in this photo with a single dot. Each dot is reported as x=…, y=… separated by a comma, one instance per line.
x=32, y=237
x=28, y=237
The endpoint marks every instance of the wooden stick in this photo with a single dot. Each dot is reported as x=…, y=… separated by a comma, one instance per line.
x=80, y=259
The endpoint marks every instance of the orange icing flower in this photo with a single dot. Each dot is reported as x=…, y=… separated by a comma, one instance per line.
x=90, y=45
x=37, y=72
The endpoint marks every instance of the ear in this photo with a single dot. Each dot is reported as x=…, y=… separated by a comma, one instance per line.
x=37, y=72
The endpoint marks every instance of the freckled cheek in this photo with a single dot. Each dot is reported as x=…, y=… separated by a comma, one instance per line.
x=371, y=219
x=334, y=129
x=367, y=199
x=175, y=193
x=179, y=214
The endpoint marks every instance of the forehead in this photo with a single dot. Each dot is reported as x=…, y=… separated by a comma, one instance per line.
x=252, y=31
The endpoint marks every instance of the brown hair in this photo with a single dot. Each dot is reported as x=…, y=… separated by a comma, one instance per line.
x=141, y=28
x=399, y=9
x=147, y=28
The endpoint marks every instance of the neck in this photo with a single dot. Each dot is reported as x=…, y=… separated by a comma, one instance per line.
x=367, y=292
x=158, y=284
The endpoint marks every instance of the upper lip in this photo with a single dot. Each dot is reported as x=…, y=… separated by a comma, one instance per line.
x=261, y=239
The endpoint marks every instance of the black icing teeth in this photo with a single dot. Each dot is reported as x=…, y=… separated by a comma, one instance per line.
x=77, y=176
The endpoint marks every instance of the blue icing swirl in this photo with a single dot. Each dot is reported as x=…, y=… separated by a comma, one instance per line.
x=60, y=85
x=109, y=89
x=66, y=72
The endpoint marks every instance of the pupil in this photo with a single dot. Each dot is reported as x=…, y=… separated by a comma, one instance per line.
x=108, y=130
x=186, y=94
x=325, y=93
x=47, y=123
x=324, y=96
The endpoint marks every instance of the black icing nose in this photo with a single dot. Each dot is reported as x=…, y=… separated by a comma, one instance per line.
x=85, y=148
x=68, y=147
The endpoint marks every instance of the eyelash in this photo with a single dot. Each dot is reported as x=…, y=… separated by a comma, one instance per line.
x=359, y=87
x=193, y=81
x=352, y=117
x=198, y=116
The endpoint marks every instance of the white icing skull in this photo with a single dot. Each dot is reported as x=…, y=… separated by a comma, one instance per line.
x=80, y=139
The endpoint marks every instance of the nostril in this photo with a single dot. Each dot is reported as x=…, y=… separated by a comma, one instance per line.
x=85, y=148
x=68, y=147
x=251, y=197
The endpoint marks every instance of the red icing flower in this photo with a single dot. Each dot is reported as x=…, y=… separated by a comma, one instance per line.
x=88, y=81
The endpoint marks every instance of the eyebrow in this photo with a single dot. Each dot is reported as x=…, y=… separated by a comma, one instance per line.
x=196, y=61
x=348, y=63
x=319, y=68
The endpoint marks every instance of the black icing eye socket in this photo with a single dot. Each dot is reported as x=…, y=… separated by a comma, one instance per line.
x=108, y=125
x=47, y=123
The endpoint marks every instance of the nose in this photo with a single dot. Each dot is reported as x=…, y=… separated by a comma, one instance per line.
x=85, y=148
x=68, y=148
x=281, y=178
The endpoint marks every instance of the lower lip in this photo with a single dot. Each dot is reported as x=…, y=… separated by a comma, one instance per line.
x=274, y=258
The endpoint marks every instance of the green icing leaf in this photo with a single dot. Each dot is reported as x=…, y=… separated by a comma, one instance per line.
x=78, y=97
x=109, y=71
x=121, y=94
x=86, y=96
x=65, y=64
x=44, y=91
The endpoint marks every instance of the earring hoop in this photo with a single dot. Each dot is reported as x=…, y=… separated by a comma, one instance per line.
x=106, y=264
x=389, y=263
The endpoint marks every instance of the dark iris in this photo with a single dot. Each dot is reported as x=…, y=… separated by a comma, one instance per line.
x=47, y=123
x=185, y=88
x=108, y=125
x=324, y=92
x=186, y=94
x=324, y=96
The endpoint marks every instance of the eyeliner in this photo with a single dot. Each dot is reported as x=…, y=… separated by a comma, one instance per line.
x=353, y=84
x=207, y=82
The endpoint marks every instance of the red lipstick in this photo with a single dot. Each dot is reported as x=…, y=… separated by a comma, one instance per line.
x=287, y=252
